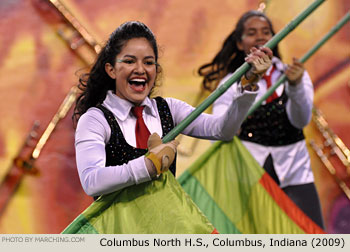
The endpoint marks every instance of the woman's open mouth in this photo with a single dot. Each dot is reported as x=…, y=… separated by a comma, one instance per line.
x=138, y=85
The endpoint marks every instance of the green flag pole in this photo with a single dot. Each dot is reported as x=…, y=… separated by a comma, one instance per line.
x=283, y=78
x=239, y=72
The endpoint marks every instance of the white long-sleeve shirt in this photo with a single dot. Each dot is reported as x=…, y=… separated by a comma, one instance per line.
x=93, y=133
x=291, y=162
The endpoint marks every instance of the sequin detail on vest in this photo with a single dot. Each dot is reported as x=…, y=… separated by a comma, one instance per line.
x=269, y=125
x=118, y=151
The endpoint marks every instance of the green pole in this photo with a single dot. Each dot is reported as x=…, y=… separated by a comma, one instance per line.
x=239, y=72
x=307, y=55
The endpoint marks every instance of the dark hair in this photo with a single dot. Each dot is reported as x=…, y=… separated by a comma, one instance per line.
x=229, y=58
x=95, y=84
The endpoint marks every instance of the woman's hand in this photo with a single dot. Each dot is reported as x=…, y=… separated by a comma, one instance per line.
x=160, y=156
x=295, y=72
x=260, y=60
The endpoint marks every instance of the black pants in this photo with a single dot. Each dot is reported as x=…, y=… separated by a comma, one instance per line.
x=304, y=196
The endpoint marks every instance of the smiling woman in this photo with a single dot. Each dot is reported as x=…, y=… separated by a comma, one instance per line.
x=134, y=70
x=119, y=126
x=273, y=134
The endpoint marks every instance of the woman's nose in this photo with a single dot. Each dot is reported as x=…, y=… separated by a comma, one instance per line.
x=262, y=36
x=139, y=68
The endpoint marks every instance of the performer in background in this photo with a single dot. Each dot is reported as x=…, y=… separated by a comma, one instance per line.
x=274, y=132
x=119, y=124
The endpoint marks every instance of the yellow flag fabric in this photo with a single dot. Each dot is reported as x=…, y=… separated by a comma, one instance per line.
x=157, y=207
x=238, y=196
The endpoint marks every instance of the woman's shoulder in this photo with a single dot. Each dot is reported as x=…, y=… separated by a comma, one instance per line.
x=174, y=101
x=168, y=100
x=92, y=115
x=176, y=105
x=225, y=78
x=93, y=112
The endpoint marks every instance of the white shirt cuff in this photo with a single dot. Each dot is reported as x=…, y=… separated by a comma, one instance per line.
x=140, y=171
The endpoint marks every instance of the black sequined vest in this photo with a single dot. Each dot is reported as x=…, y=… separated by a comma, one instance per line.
x=118, y=151
x=269, y=125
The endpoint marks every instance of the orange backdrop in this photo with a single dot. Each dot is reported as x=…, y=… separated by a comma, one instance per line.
x=37, y=69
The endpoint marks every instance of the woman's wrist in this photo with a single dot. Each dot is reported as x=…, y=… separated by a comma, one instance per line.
x=252, y=87
x=249, y=75
x=249, y=81
x=152, y=171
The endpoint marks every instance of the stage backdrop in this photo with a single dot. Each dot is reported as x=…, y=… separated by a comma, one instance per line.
x=37, y=70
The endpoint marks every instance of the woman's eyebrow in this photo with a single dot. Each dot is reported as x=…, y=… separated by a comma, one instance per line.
x=251, y=29
x=130, y=56
x=134, y=57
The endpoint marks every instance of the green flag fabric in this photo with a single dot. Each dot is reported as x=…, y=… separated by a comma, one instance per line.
x=238, y=196
x=160, y=206
x=225, y=186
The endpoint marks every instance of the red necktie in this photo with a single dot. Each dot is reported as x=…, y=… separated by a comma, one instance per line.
x=141, y=131
x=267, y=78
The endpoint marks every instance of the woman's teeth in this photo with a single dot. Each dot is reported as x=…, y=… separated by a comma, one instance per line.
x=137, y=82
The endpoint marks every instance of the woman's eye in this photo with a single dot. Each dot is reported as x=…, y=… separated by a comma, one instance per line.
x=267, y=33
x=128, y=61
x=150, y=63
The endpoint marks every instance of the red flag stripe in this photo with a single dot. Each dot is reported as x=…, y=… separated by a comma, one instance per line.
x=289, y=207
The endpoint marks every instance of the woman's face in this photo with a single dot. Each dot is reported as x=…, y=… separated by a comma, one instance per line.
x=134, y=71
x=256, y=33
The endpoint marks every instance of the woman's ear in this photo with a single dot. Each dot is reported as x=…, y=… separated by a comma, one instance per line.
x=110, y=70
x=239, y=45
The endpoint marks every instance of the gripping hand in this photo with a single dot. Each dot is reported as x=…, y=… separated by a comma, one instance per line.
x=161, y=155
x=295, y=72
x=260, y=60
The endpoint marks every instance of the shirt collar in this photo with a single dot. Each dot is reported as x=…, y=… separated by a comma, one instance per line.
x=121, y=107
x=149, y=108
